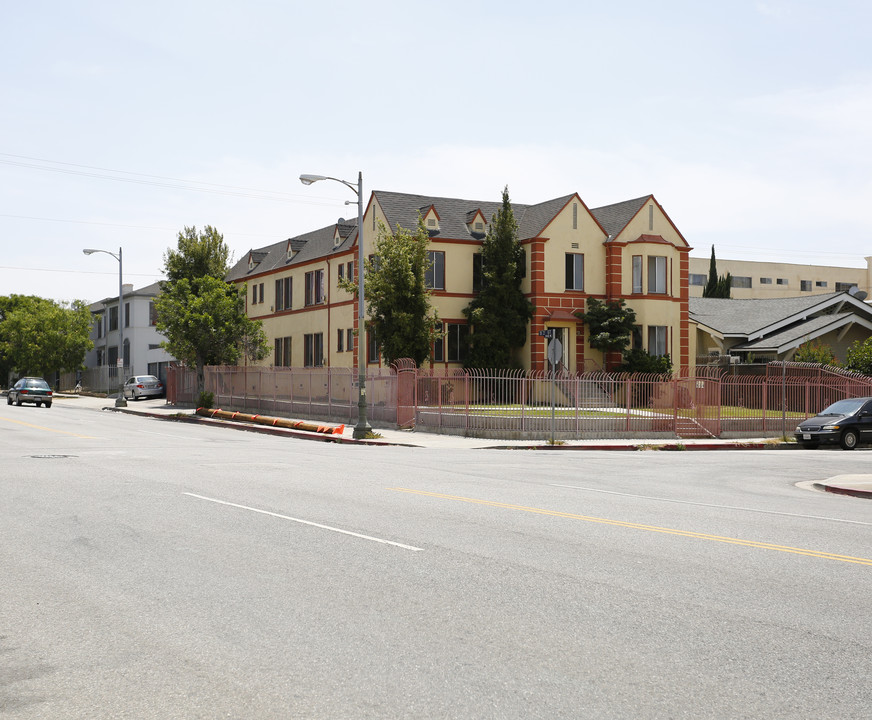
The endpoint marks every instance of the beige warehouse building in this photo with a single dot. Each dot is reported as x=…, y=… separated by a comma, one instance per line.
x=780, y=280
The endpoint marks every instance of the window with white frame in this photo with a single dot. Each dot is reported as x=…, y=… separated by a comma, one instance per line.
x=434, y=276
x=637, y=274
x=657, y=339
x=574, y=271
x=657, y=275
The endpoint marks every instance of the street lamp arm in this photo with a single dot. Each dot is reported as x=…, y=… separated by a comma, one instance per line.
x=307, y=179
x=91, y=251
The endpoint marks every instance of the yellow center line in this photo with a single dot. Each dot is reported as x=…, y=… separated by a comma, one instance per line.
x=649, y=528
x=40, y=427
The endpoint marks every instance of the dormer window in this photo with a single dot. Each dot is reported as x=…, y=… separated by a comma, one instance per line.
x=431, y=218
x=289, y=251
x=254, y=259
x=475, y=223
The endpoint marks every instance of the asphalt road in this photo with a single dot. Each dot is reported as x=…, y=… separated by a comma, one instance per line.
x=151, y=569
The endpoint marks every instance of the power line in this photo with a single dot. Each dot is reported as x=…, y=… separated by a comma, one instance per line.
x=79, y=272
x=160, y=180
x=120, y=225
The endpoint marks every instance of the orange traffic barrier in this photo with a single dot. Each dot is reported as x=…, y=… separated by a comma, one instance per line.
x=274, y=421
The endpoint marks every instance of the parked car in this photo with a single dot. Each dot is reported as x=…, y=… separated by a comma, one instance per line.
x=30, y=390
x=139, y=386
x=847, y=422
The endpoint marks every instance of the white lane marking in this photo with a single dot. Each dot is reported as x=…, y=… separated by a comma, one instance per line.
x=305, y=522
x=722, y=507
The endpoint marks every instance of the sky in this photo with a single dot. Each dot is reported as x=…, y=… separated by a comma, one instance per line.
x=122, y=123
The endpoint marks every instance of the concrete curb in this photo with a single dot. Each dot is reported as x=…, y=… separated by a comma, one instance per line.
x=262, y=429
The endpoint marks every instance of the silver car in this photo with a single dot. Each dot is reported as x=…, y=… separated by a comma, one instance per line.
x=138, y=386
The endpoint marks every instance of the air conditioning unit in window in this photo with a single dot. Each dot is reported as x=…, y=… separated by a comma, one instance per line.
x=735, y=359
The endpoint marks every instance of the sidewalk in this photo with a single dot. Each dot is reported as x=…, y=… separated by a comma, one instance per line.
x=854, y=485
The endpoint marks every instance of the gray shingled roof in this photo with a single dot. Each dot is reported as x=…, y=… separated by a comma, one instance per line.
x=454, y=216
x=309, y=246
x=797, y=334
x=614, y=218
x=748, y=316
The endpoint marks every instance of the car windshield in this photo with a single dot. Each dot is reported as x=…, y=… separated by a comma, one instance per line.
x=843, y=407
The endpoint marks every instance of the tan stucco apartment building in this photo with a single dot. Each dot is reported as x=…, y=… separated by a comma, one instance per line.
x=630, y=250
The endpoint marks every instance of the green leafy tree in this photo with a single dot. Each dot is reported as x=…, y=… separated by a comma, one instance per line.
x=201, y=315
x=197, y=255
x=610, y=324
x=397, y=298
x=40, y=336
x=500, y=312
x=815, y=351
x=717, y=286
x=859, y=357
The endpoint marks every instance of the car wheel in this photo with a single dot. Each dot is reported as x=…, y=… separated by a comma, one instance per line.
x=849, y=440
x=8, y=400
x=48, y=404
x=19, y=402
x=39, y=404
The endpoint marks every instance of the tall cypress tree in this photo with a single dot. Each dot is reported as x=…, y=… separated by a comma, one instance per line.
x=500, y=313
x=717, y=287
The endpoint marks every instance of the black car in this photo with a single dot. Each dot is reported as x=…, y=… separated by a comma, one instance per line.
x=847, y=422
x=30, y=390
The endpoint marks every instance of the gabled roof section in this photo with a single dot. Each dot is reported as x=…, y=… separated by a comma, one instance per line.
x=456, y=214
x=802, y=332
x=614, y=218
x=756, y=318
x=535, y=218
x=306, y=247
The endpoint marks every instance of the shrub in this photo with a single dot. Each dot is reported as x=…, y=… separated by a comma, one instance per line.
x=859, y=357
x=206, y=400
x=815, y=351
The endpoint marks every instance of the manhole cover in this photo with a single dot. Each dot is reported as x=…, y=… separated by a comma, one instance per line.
x=51, y=457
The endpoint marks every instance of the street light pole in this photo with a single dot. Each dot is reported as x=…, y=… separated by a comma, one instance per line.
x=119, y=401
x=362, y=429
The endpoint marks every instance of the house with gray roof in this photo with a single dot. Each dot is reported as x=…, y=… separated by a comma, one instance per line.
x=773, y=328
x=630, y=250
